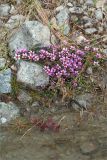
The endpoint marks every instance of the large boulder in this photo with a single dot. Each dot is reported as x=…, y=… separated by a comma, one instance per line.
x=32, y=75
x=8, y=111
x=5, y=81
x=29, y=35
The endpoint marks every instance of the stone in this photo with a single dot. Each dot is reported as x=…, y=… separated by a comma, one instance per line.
x=4, y=9
x=5, y=81
x=100, y=29
x=84, y=100
x=32, y=75
x=89, y=24
x=35, y=107
x=90, y=31
x=12, y=10
x=59, y=8
x=2, y=63
x=99, y=14
x=15, y=21
x=89, y=3
x=80, y=39
x=89, y=70
x=29, y=35
x=105, y=51
x=86, y=19
x=8, y=112
x=88, y=147
x=100, y=3
x=69, y=4
x=1, y=23
x=24, y=97
x=19, y=1
x=63, y=21
x=76, y=10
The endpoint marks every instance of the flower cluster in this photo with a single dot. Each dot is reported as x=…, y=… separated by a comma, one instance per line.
x=65, y=63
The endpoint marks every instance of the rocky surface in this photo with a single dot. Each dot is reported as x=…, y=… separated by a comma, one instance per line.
x=85, y=100
x=24, y=97
x=15, y=21
x=63, y=20
x=2, y=62
x=31, y=75
x=29, y=35
x=4, y=9
x=5, y=81
x=8, y=112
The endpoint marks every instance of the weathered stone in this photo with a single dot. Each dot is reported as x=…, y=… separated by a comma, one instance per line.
x=80, y=39
x=24, y=97
x=89, y=70
x=59, y=8
x=105, y=51
x=88, y=147
x=15, y=21
x=32, y=75
x=5, y=81
x=63, y=21
x=90, y=30
x=76, y=10
x=69, y=4
x=8, y=111
x=89, y=24
x=1, y=23
x=12, y=10
x=2, y=62
x=89, y=3
x=85, y=101
x=4, y=9
x=19, y=1
x=99, y=14
x=29, y=35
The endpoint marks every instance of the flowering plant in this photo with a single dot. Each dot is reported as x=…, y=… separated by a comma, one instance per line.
x=61, y=63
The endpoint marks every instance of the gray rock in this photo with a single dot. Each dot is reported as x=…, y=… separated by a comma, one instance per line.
x=5, y=81
x=88, y=147
x=59, y=8
x=63, y=20
x=32, y=75
x=105, y=51
x=15, y=21
x=2, y=62
x=100, y=29
x=12, y=10
x=69, y=4
x=8, y=112
x=76, y=10
x=30, y=34
x=86, y=19
x=89, y=24
x=99, y=14
x=89, y=70
x=89, y=3
x=19, y=1
x=84, y=100
x=90, y=30
x=1, y=23
x=24, y=97
x=35, y=107
x=4, y=9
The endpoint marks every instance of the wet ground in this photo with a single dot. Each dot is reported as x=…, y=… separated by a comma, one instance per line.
x=78, y=139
